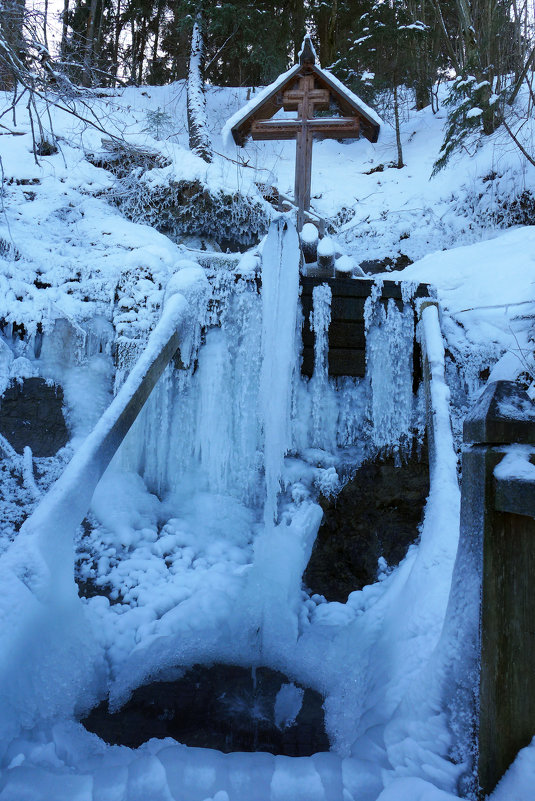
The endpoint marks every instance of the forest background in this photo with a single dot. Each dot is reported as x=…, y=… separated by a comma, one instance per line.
x=390, y=53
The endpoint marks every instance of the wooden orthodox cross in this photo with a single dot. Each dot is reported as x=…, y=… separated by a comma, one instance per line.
x=306, y=89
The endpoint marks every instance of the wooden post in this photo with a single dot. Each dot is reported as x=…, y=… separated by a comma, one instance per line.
x=326, y=257
x=498, y=525
x=304, y=142
x=309, y=243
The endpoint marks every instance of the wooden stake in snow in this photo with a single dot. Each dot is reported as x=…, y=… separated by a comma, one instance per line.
x=311, y=92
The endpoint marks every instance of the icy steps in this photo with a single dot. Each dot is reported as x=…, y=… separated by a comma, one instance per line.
x=163, y=770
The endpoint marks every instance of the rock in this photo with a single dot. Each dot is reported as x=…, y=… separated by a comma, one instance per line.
x=31, y=414
x=376, y=514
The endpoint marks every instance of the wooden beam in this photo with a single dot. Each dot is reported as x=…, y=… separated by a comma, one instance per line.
x=360, y=287
x=325, y=127
x=335, y=127
x=303, y=174
x=275, y=129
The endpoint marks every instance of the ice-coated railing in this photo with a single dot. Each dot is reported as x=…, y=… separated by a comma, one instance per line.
x=442, y=457
x=46, y=651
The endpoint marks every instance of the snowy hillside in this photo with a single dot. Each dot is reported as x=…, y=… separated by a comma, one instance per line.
x=179, y=561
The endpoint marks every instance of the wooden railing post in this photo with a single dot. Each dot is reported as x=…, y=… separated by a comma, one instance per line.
x=498, y=525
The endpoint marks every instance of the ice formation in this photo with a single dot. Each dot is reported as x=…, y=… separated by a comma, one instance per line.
x=280, y=289
x=389, y=365
x=213, y=484
x=324, y=411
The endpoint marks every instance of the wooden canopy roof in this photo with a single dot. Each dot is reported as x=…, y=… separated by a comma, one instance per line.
x=276, y=97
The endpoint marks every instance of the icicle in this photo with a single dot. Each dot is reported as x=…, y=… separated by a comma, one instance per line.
x=280, y=291
x=389, y=365
x=320, y=320
x=213, y=441
x=27, y=473
x=324, y=412
x=200, y=426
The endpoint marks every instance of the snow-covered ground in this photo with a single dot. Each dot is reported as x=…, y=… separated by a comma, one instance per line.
x=176, y=538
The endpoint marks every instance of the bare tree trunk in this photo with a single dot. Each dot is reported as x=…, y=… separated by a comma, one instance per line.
x=199, y=139
x=11, y=29
x=87, y=78
x=64, y=27
x=521, y=77
x=298, y=15
x=400, y=164
x=45, y=25
x=154, y=59
x=327, y=32
x=482, y=50
x=455, y=61
x=116, y=37
x=133, y=65
x=142, y=44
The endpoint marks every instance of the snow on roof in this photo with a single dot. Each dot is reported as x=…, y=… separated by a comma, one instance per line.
x=351, y=96
x=304, y=44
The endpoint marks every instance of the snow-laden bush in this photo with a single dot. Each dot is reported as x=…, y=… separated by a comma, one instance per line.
x=121, y=158
x=498, y=199
x=180, y=208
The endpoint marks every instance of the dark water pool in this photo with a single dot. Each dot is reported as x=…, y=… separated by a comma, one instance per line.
x=225, y=707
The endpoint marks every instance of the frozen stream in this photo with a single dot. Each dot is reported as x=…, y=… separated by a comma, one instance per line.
x=199, y=534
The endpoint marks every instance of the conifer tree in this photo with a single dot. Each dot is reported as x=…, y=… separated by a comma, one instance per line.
x=381, y=57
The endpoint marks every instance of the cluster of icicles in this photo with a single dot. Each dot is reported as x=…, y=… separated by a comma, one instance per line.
x=228, y=420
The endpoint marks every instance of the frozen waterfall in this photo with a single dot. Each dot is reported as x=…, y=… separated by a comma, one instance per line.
x=225, y=423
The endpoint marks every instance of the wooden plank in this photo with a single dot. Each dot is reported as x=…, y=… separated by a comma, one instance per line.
x=319, y=97
x=307, y=366
x=514, y=495
x=507, y=700
x=341, y=308
x=347, y=339
x=351, y=362
x=342, y=361
x=335, y=127
x=359, y=287
x=264, y=130
x=347, y=308
x=307, y=182
x=342, y=334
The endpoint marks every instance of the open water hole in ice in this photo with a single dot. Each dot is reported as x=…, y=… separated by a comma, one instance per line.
x=224, y=707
